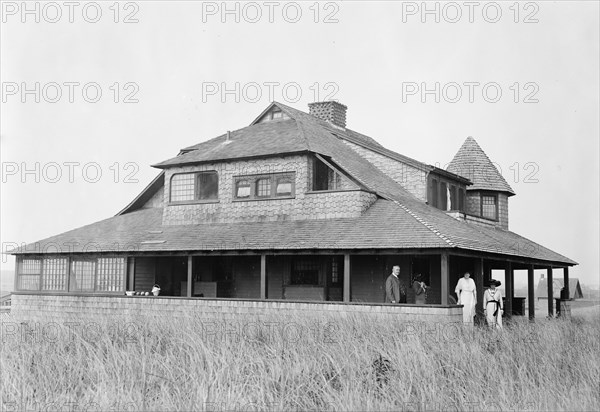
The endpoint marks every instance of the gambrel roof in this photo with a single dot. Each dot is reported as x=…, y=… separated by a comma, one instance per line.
x=397, y=219
x=471, y=162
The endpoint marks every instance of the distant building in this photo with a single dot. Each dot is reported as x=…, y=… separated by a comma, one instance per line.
x=557, y=284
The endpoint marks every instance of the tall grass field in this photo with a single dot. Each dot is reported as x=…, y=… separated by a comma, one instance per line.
x=301, y=364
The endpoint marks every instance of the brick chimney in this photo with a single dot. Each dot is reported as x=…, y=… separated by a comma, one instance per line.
x=332, y=112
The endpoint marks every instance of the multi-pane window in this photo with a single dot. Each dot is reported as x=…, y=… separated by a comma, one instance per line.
x=54, y=275
x=111, y=274
x=263, y=187
x=82, y=275
x=335, y=274
x=87, y=274
x=29, y=274
x=488, y=207
x=445, y=195
x=194, y=186
x=278, y=185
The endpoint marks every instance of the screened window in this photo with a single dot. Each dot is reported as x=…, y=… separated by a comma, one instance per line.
x=111, y=274
x=194, y=186
x=489, y=207
x=82, y=275
x=55, y=274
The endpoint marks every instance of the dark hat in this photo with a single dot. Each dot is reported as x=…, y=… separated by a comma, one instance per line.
x=495, y=282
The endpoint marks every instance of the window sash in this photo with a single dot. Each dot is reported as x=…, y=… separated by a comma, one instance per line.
x=273, y=186
x=489, y=207
x=188, y=187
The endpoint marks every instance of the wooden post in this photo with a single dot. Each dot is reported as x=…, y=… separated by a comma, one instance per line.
x=530, y=293
x=566, y=280
x=347, y=296
x=445, y=273
x=189, y=277
x=263, y=276
x=508, y=278
x=131, y=273
x=478, y=277
x=550, y=293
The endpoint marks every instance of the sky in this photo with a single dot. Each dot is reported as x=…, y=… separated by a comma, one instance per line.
x=95, y=92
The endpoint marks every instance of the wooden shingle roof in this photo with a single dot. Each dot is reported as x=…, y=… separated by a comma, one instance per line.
x=471, y=162
x=397, y=220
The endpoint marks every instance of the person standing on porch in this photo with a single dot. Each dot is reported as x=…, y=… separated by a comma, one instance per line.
x=492, y=305
x=419, y=287
x=467, y=296
x=392, y=286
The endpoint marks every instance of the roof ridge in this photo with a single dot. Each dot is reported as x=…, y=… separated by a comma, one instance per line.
x=424, y=223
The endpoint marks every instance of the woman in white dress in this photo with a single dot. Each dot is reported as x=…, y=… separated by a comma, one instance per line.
x=493, y=306
x=467, y=296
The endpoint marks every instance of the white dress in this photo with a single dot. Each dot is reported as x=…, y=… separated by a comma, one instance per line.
x=467, y=296
x=492, y=302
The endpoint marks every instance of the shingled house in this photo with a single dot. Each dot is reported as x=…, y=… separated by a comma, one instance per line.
x=295, y=207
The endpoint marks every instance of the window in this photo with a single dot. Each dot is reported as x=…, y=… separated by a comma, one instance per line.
x=29, y=274
x=324, y=177
x=54, y=275
x=433, y=193
x=111, y=274
x=83, y=273
x=453, y=198
x=279, y=185
x=305, y=272
x=284, y=187
x=461, y=200
x=187, y=187
x=443, y=199
x=182, y=187
x=488, y=207
x=242, y=189
x=263, y=187
x=335, y=272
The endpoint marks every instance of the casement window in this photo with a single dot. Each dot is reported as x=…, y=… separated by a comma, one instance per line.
x=54, y=274
x=324, y=177
x=271, y=186
x=433, y=193
x=87, y=274
x=445, y=195
x=489, y=206
x=111, y=274
x=461, y=199
x=83, y=274
x=443, y=199
x=29, y=273
x=189, y=187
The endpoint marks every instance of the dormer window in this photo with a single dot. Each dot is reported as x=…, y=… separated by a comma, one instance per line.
x=445, y=195
x=259, y=187
x=274, y=114
x=242, y=189
x=190, y=187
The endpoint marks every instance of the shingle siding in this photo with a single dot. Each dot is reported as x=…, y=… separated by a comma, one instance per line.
x=323, y=205
x=411, y=178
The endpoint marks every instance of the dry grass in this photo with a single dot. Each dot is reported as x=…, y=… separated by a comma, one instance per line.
x=302, y=364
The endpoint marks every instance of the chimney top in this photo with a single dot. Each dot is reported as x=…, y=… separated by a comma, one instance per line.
x=330, y=111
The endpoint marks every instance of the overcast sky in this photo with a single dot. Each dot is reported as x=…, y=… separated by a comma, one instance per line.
x=172, y=74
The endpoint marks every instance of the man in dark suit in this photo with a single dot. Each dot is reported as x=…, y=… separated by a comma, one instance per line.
x=392, y=286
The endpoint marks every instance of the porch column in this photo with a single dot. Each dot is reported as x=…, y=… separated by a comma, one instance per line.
x=445, y=273
x=189, y=277
x=263, y=276
x=347, y=277
x=478, y=277
x=566, y=280
x=550, y=293
x=130, y=273
x=508, y=278
x=530, y=293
